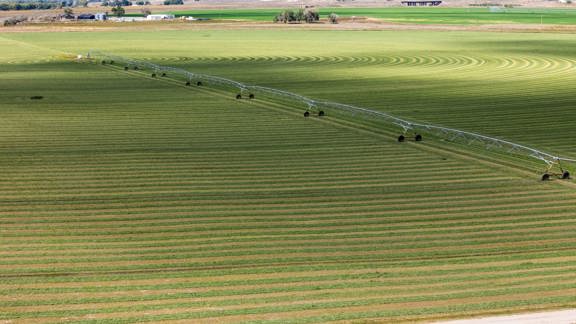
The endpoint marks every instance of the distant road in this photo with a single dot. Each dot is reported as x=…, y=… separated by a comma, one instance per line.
x=556, y=317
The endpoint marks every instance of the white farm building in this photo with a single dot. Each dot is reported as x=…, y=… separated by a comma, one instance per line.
x=160, y=17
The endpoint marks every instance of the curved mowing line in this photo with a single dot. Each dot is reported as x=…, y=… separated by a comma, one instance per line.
x=312, y=104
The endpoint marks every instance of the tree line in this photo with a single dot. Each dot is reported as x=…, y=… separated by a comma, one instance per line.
x=29, y=5
x=308, y=15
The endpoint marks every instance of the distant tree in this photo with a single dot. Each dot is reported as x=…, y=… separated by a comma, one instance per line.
x=146, y=11
x=12, y=21
x=286, y=16
x=299, y=15
x=333, y=18
x=120, y=3
x=173, y=2
x=311, y=15
x=118, y=11
x=68, y=13
x=105, y=3
x=278, y=18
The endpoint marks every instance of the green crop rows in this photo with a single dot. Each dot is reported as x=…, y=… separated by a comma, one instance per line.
x=126, y=198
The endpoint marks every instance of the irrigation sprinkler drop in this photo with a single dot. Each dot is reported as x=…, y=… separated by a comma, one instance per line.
x=251, y=96
x=136, y=67
x=321, y=113
x=545, y=177
x=153, y=75
x=187, y=83
x=306, y=113
x=163, y=74
x=103, y=62
x=125, y=68
x=199, y=83
x=401, y=138
x=418, y=138
x=238, y=96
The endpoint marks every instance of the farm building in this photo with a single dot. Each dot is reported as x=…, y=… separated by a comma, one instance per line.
x=160, y=17
x=101, y=16
x=421, y=3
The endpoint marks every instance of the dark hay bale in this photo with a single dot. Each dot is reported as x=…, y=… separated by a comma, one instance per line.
x=321, y=113
x=566, y=175
x=153, y=75
x=251, y=96
x=545, y=177
x=418, y=138
x=306, y=113
x=401, y=138
x=36, y=98
x=238, y=96
x=163, y=74
x=199, y=83
x=187, y=83
x=125, y=68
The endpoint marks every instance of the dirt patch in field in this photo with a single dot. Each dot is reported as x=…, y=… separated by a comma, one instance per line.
x=558, y=317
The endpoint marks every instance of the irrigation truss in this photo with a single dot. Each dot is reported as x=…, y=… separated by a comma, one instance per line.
x=309, y=104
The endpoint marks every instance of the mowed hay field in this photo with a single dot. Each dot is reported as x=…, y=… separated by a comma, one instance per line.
x=516, y=86
x=129, y=199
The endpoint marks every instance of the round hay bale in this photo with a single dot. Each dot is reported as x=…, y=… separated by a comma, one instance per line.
x=401, y=138
x=199, y=83
x=187, y=83
x=321, y=113
x=418, y=138
x=125, y=68
x=545, y=177
x=238, y=96
x=251, y=96
x=566, y=175
x=306, y=113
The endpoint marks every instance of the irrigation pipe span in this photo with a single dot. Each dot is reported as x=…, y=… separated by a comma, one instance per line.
x=450, y=134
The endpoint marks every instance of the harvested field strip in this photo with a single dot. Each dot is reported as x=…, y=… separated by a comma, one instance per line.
x=343, y=298
x=287, y=286
x=348, y=240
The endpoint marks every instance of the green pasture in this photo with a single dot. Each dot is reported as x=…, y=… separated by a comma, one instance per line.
x=436, y=15
x=130, y=199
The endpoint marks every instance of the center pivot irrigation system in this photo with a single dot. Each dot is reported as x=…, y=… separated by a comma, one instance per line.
x=554, y=165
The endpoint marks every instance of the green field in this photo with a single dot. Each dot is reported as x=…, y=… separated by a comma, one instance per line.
x=132, y=199
x=441, y=15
